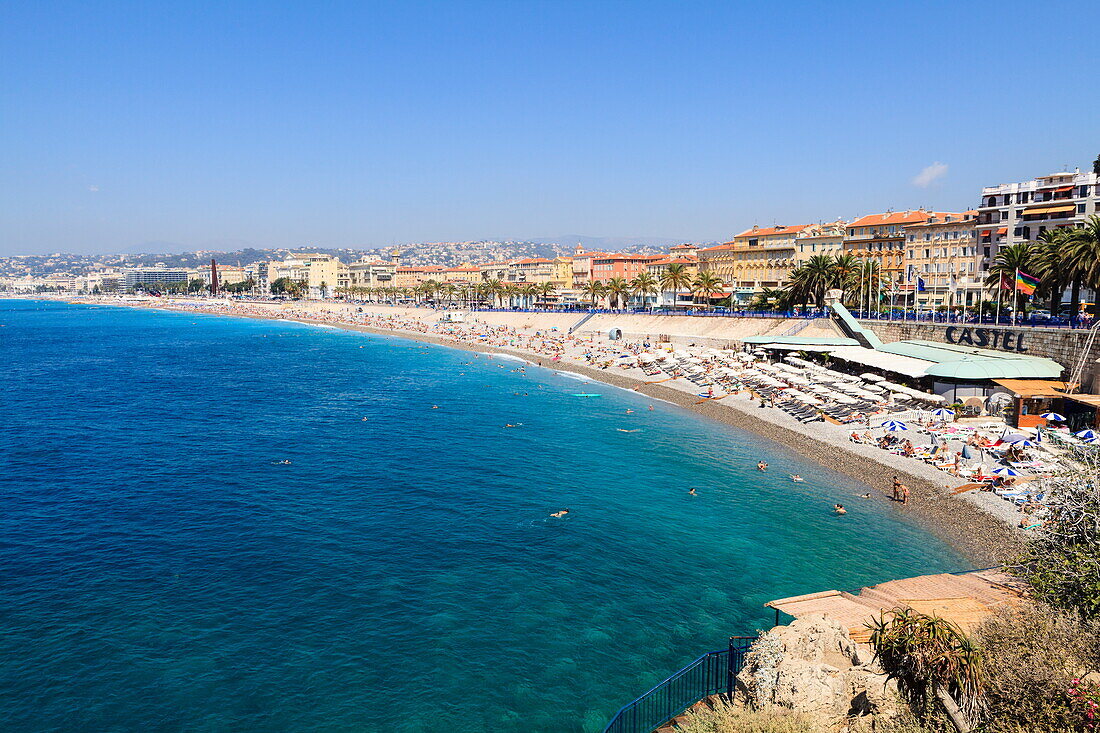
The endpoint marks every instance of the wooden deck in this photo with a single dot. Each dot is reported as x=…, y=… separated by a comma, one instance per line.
x=965, y=599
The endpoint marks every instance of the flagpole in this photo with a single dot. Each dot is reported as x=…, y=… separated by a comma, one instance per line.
x=1000, y=289
x=1015, y=295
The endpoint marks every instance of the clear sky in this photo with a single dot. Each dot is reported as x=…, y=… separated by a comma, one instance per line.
x=222, y=124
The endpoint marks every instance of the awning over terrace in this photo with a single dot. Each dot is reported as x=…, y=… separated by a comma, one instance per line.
x=908, y=366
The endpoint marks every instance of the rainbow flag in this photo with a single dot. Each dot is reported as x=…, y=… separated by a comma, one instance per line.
x=1026, y=283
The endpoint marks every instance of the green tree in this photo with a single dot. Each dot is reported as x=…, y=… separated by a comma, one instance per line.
x=594, y=289
x=676, y=278
x=644, y=285
x=618, y=290
x=706, y=284
x=547, y=290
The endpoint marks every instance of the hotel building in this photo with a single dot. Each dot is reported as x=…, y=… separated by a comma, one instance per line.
x=942, y=253
x=757, y=258
x=1011, y=213
x=881, y=238
x=819, y=239
x=151, y=276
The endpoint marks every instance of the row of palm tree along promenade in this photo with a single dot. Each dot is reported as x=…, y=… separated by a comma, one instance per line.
x=1032, y=243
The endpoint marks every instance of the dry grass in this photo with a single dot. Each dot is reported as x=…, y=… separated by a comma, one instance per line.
x=725, y=718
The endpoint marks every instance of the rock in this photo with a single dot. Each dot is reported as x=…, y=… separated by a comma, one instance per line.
x=813, y=666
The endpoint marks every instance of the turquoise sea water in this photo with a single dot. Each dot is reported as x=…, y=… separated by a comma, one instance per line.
x=160, y=571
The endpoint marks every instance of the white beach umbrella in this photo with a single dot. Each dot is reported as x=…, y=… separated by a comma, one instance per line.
x=1086, y=434
x=894, y=426
x=1025, y=443
x=1053, y=416
x=943, y=413
x=1006, y=471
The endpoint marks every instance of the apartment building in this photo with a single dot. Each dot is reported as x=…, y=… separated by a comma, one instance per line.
x=881, y=238
x=757, y=258
x=410, y=277
x=943, y=256
x=367, y=273
x=658, y=268
x=151, y=276
x=819, y=239
x=1011, y=213
x=620, y=264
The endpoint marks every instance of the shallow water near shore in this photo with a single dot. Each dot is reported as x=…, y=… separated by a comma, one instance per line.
x=161, y=569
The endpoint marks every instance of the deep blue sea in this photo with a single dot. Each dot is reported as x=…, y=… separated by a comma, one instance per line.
x=161, y=570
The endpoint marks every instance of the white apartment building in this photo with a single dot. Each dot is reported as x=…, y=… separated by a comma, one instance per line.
x=1011, y=213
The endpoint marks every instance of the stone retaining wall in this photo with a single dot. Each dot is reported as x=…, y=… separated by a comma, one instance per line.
x=1062, y=345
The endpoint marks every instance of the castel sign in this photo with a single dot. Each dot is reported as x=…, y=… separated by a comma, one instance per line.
x=992, y=338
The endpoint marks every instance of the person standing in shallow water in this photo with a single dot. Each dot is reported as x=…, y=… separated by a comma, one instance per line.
x=897, y=489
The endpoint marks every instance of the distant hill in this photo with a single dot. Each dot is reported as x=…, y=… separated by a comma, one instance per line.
x=608, y=244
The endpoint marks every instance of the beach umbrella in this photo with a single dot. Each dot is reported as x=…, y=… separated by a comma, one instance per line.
x=1053, y=416
x=943, y=413
x=1092, y=441
x=1086, y=434
x=1025, y=443
x=894, y=425
x=1006, y=471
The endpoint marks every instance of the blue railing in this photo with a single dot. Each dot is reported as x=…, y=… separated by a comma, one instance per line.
x=711, y=674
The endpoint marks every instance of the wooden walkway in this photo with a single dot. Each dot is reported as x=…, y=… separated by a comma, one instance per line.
x=965, y=599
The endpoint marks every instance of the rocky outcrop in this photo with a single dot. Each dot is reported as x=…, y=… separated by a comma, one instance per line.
x=813, y=666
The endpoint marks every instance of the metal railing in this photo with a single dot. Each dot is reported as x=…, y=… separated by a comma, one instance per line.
x=711, y=674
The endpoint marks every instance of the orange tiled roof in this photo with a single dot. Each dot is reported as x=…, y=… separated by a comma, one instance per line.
x=727, y=245
x=898, y=217
x=766, y=231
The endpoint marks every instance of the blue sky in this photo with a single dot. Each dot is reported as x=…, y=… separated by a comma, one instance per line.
x=359, y=124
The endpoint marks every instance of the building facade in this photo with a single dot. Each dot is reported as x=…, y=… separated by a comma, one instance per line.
x=1012, y=213
x=881, y=238
x=151, y=276
x=819, y=239
x=943, y=263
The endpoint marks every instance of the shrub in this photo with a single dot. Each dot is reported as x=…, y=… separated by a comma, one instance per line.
x=1032, y=655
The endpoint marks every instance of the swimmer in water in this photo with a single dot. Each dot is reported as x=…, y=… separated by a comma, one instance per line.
x=692, y=492
x=865, y=496
x=839, y=509
x=761, y=466
x=560, y=514
x=435, y=407
x=796, y=477
x=651, y=407
x=630, y=412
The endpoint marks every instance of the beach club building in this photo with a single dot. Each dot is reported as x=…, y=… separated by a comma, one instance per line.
x=980, y=379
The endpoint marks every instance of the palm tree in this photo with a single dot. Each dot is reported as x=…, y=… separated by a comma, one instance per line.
x=847, y=269
x=495, y=289
x=1083, y=247
x=676, y=278
x=706, y=283
x=618, y=289
x=546, y=290
x=594, y=289
x=1006, y=264
x=1054, y=265
x=644, y=284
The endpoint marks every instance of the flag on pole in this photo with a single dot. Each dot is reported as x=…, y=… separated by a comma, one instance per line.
x=1026, y=283
x=920, y=284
